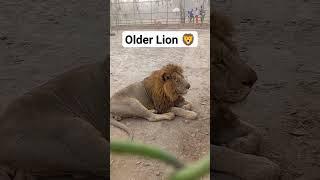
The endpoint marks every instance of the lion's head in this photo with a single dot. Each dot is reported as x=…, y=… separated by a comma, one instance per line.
x=233, y=78
x=187, y=39
x=165, y=86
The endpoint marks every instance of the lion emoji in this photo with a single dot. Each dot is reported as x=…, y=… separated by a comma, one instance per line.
x=188, y=39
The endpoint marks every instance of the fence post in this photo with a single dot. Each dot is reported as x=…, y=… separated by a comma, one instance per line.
x=134, y=12
x=167, y=11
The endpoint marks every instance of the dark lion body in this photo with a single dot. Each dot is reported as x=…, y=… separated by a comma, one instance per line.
x=59, y=128
x=233, y=139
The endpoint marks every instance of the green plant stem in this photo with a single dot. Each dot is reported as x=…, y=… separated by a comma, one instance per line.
x=193, y=171
x=126, y=147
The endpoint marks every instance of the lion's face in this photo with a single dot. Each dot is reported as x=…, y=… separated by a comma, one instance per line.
x=174, y=83
x=165, y=86
x=188, y=39
x=233, y=78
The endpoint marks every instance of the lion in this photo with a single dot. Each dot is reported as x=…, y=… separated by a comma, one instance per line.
x=155, y=98
x=187, y=39
x=58, y=129
x=235, y=142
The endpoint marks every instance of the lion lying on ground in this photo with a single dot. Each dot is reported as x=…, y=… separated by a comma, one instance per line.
x=157, y=97
x=233, y=139
x=58, y=129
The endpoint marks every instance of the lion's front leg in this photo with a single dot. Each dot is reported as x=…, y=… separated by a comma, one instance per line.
x=187, y=105
x=182, y=103
x=244, y=166
x=184, y=113
x=249, y=143
x=6, y=173
x=234, y=133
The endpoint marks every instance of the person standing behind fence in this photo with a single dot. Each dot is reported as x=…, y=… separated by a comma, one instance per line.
x=197, y=13
x=202, y=14
x=191, y=17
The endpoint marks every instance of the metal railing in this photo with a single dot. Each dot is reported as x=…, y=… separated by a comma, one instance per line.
x=149, y=12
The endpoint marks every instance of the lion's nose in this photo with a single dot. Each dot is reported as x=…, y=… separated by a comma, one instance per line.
x=252, y=78
x=248, y=83
x=188, y=86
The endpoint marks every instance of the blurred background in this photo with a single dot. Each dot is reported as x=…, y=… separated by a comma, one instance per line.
x=137, y=13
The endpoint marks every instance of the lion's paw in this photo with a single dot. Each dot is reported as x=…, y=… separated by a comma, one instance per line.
x=187, y=107
x=153, y=111
x=191, y=115
x=260, y=168
x=244, y=145
x=170, y=115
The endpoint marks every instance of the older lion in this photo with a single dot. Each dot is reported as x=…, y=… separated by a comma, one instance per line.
x=157, y=97
x=59, y=128
x=233, y=140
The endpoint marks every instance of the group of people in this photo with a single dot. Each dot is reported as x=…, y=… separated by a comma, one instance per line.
x=195, y=14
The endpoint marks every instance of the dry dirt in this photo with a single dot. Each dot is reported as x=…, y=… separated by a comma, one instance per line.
x=281, y=41
x=186, y=139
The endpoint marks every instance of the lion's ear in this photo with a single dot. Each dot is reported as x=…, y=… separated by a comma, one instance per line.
x=166, y=76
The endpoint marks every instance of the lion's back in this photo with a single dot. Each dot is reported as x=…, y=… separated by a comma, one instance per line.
x=135, y=90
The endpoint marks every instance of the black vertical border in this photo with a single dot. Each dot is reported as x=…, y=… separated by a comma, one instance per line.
x=107, y=64
x=211, y=92
x=107, y=68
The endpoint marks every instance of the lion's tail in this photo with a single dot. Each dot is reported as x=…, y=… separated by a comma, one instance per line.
x=123, y=127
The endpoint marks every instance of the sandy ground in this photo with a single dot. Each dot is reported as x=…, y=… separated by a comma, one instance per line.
x=186, y=139
x=281, y=41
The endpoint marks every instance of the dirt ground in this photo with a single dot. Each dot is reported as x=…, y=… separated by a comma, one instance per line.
x=186, y=139
x=280, y=40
